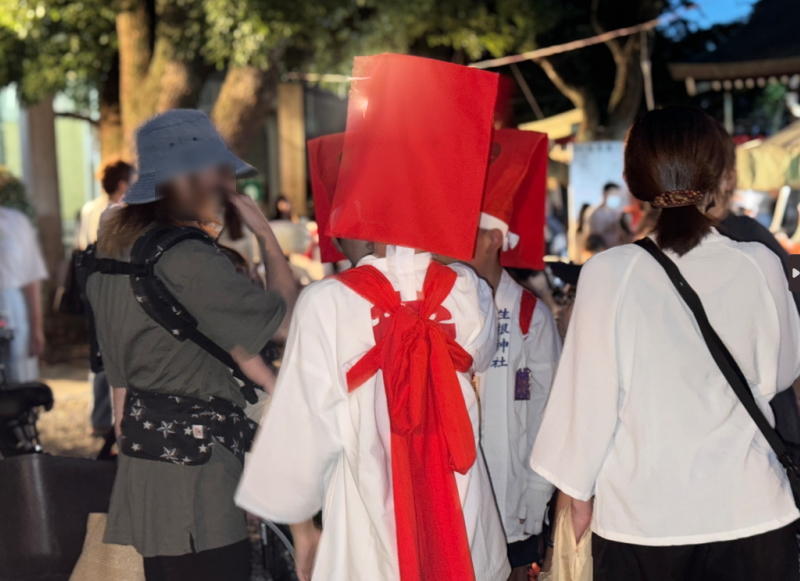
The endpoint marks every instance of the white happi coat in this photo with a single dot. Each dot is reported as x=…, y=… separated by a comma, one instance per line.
x=509, y=426
x=321, y=447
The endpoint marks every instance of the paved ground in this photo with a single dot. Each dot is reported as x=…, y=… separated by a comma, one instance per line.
x=65, y=430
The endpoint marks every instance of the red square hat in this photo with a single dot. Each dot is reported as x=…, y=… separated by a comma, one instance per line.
x=415, y=154
x=514, y=202
x=324, y=160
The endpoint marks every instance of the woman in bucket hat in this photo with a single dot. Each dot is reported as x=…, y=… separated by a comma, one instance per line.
x=173, y=496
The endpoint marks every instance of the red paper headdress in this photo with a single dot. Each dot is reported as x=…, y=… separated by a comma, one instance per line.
x=324, y=160
x=515, y=196
x=415, y=154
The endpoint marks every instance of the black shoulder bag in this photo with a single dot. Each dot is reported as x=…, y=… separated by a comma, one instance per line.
x=788, y=454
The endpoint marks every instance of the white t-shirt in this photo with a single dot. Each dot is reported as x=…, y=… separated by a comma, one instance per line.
x=322, y=447
x=641, y=417
x=21, y=261
x=509, y=422
x=89, y=225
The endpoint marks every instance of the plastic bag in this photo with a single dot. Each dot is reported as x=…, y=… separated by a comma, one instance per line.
x=571, y=561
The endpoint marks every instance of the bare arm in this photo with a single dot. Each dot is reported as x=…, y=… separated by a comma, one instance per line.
x=562, y=501
x=279, y=275
x=119, y=408
x=581, y=516
x=306, y=539
x=33, y=301
x=254, y=368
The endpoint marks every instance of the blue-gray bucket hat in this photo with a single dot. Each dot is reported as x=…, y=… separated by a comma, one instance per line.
x=176, y=143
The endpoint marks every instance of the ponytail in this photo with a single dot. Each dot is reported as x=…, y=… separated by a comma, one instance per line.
x=681, y=229
x=676, y=150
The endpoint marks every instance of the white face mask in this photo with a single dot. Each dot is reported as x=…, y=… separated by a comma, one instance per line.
x=613, y=202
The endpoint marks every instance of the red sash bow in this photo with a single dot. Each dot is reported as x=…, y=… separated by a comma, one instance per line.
x=432, y=433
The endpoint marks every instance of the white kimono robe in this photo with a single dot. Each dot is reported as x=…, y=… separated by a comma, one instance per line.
x=509, y=426
x=321, y=447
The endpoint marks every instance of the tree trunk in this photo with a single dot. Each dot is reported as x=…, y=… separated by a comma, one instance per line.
x=133, y=34
x=623, y=106
x=581, y=97
x=40, y=174
x=153, y=80
x=181, y=83
x=110, y=125
x=244, y=101
x=613, y=122
x=623, y=110
x=111, y=141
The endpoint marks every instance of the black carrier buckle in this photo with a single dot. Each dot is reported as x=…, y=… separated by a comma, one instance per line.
x=142, y=269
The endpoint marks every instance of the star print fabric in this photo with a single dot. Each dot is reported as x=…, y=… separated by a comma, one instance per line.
x=183, y=430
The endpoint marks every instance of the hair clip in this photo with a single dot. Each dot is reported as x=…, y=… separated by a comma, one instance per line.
x=677, y=198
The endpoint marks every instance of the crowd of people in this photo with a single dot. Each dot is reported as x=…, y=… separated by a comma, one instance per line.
x=423, y=405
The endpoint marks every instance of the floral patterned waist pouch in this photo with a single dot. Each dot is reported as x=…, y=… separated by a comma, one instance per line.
x=182, y=430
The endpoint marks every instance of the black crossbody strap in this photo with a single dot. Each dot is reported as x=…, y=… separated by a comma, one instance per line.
x=722, y=357
x=164, y=308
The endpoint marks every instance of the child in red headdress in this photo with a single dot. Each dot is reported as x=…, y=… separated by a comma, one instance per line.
x=514, y=390
x=324, y=162
x=374, y=419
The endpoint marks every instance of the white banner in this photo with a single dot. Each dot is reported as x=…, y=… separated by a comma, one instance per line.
x=594, y=165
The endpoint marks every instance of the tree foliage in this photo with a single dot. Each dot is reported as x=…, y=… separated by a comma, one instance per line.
x=457, y=30
x=604, y=81
x=145, y=56
x=56, y=46
x=13, y=194
x=68, y=43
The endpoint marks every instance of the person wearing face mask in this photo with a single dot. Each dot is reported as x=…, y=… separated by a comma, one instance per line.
x=606, y=219
x=173, y=495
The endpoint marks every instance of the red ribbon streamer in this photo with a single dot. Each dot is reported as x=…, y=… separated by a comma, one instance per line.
x=432, y=433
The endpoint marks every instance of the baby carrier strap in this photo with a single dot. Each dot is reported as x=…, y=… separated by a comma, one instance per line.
x=154, y=297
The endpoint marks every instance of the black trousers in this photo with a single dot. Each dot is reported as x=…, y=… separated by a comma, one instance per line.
x=771, y=556
x=229, y=563
x=524, y=553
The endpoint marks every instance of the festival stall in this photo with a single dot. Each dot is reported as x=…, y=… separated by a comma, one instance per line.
x=772, y=163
